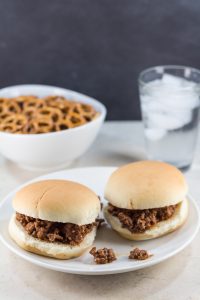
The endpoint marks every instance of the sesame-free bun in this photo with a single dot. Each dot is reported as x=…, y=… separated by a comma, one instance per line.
x=58, y=201
x=161, y=228
x=55, y=250
x=145, y=185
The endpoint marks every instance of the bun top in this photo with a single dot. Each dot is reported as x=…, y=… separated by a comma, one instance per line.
x=58, y=201
x=146, y=184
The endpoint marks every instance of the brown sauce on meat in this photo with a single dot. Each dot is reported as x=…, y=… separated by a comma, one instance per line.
x=139, y=221
x=66, y=233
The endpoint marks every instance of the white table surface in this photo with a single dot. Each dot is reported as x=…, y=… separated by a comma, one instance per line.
x=177, y=278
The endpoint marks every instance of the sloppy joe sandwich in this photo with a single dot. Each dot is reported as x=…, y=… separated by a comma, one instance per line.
x=55, y=218
x=147, y=199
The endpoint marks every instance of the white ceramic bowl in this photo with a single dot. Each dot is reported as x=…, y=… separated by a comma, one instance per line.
x=52, y=150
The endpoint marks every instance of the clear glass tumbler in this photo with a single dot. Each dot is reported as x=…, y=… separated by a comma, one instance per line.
x=170, y=100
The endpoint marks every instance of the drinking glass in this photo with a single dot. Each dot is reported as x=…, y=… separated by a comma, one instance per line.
x=169, y=98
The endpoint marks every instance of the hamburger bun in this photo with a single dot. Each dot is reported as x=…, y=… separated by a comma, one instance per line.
x=145, y=185
x=56, y=201
x=55, y=250
x=160, y=229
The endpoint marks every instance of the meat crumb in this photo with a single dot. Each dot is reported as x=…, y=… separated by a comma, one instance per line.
x=103, y=256
x=139, y=254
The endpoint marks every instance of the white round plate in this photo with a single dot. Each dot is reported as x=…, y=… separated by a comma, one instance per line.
x=95, y=178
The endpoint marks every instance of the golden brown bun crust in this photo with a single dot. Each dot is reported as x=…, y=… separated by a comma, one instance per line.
x=58, y=201
x=157, y=230
x=55, y=250
x=146, y=184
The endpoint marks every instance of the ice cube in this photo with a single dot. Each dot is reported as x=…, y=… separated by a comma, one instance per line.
x=155, y=107
x=187, y=72
x=177, y=98
x=172, y=80
x=177, y=101
x=154, y=134
x=167, y=121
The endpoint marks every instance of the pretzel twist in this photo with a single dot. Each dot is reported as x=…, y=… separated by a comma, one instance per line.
x=13, y=123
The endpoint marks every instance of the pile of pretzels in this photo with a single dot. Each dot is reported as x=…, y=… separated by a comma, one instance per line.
x=33, y=115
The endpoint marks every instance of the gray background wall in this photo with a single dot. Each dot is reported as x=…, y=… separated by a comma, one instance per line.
x=97, y=47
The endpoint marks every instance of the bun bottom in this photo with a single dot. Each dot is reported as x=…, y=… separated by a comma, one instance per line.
x=55, y=250
x=161, y=228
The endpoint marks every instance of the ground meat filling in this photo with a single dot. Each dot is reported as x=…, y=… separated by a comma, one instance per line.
x=103, y=256
x=139, y=221
x=65, y=233
x=139, y=254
